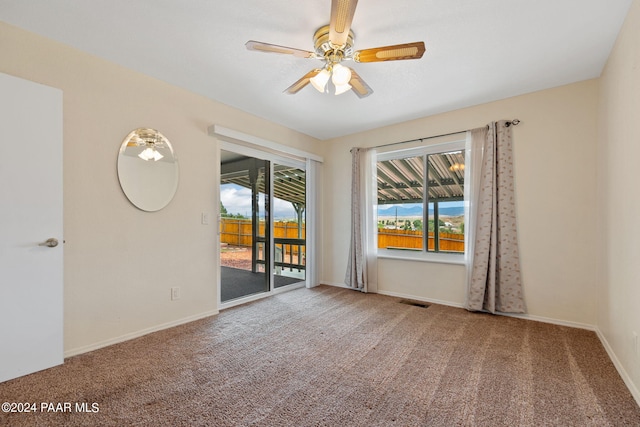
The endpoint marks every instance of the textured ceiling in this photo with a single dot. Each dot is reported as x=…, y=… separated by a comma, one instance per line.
x=477, y=51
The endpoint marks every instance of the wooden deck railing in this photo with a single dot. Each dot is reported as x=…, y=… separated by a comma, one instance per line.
x=290, y=249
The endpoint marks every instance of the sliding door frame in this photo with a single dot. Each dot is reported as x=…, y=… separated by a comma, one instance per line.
x=247, y=145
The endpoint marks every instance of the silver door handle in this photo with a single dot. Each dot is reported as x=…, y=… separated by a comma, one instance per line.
x=51, y=243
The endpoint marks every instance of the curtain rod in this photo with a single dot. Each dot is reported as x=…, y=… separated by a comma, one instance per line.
x=514, y=122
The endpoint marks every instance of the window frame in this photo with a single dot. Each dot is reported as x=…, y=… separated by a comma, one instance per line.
x=423, y=255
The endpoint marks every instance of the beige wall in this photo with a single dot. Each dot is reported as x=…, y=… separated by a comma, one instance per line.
x=120, y=262
x=555, y=166
x=619, y=200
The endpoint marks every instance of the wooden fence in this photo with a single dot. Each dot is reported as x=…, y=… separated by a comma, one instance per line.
x=409, y=239
x=237, y=232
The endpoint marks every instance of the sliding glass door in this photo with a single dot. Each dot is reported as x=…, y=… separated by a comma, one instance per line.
x=289, y=228
x=262, y=225
x=243, y=212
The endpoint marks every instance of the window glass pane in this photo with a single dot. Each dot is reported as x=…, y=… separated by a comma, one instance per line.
x=446, y=201
x=289, y=233
x=451, y=229
x=431, y=219
x=402, y=195
x=400, y=203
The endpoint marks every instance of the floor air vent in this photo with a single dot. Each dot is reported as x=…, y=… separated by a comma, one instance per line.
x=414, y=303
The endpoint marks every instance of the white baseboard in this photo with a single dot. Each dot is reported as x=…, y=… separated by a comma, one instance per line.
x=415, y=298
x=520, y=316
x=400, y=295
x=623, y=373
x=132, y=335
x=550, y=320
x=337, y=285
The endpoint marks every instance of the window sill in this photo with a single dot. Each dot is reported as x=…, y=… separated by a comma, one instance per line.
x=408, y=255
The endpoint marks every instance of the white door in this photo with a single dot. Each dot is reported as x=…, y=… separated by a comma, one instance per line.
x=31, y=292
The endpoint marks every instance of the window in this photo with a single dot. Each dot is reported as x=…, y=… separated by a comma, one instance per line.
x=421, y=202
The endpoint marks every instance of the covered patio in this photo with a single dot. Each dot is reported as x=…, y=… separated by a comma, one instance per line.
x=245, y=249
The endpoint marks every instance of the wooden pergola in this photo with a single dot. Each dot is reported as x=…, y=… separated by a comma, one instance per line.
x=403, y=180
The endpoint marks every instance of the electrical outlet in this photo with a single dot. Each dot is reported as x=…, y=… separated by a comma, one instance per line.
x=175, y=293
x=205, y=218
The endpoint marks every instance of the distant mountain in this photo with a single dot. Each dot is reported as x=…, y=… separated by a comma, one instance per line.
x=417, y=211
x=457, y=211
x=402, y=211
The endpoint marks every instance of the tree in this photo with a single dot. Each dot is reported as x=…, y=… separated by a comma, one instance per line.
x=223, y=210
x=417, y=224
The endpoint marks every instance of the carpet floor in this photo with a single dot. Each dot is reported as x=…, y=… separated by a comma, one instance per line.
x=333, y=357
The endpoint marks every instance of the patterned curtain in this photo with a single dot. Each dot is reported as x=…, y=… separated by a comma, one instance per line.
x=494, y=279
x=362, y=269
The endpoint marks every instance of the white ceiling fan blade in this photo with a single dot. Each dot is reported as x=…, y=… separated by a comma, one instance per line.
x=342, y=12
x=295, y=88
x=274, y=48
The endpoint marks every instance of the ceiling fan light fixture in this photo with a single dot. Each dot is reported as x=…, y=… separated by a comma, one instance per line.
x=320, y=80
x=340, y=89
x=341, y=75
x=150, y=153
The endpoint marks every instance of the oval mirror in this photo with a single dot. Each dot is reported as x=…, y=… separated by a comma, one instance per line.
x=147, y=169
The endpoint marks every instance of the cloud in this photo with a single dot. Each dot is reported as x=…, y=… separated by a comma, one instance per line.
x=237, y=200
x=283, y=209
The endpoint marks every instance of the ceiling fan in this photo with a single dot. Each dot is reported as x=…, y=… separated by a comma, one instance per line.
x=333, y=44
